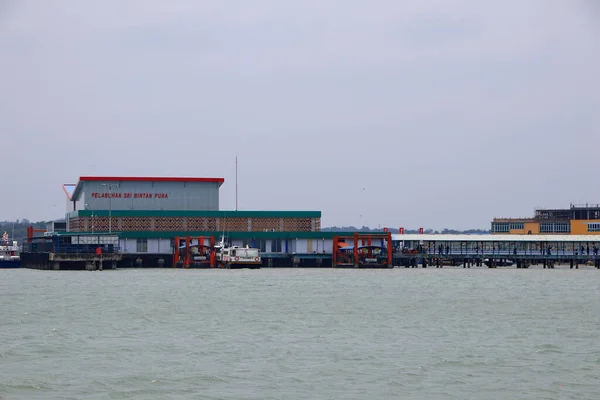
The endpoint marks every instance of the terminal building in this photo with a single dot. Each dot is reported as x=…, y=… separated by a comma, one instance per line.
x=575, y=220
x=149, y=212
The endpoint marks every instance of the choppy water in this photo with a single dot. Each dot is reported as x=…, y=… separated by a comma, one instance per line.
x=300, y=334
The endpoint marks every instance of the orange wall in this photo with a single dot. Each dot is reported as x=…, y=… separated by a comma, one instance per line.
x=534, y=227
x=580, y=227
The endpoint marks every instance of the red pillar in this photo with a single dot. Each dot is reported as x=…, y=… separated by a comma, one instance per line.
x=390, y=249
x=212, y=251
x=187, y=252
x=334, y=252
x=356, y=249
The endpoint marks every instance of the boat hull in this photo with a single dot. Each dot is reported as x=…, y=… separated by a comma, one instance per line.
x=244, y=265
x=7, y=264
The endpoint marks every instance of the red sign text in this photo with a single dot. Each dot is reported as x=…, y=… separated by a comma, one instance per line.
x=97, y=195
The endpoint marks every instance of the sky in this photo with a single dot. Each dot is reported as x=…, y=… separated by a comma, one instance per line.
x=431, y=113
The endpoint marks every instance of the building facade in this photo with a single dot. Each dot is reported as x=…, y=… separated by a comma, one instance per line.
x=144, y=193
x=575, y=220
x=148, y=213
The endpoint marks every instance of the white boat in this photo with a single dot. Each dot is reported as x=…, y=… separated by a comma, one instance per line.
x=237, y=257
x=10, y=254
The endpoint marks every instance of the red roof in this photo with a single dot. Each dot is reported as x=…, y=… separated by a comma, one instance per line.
x=150, y=178
x=75, y=193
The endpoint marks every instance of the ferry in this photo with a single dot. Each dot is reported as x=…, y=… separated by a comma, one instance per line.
x=9, y=253
x=237, y=257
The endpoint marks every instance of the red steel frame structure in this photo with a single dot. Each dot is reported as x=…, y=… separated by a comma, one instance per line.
x=341, y=259
x=31, y=231
x=206, y=249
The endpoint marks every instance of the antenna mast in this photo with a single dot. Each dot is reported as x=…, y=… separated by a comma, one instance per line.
x=236, y=183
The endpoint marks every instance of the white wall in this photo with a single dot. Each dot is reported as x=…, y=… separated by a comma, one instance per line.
x=318, y=245
x=301, y=245
x=166, y=248
x=153, y=245
x=128, y=245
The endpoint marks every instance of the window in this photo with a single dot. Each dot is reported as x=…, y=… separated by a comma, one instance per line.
x=142, y=245
x=593, y=227
x=516, y=226
x=262, y=245
x=555, y=227
x=500, y=227
x=276, y=246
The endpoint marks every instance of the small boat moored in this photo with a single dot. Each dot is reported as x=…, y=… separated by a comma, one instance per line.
x=237, y=257
x=9, y=253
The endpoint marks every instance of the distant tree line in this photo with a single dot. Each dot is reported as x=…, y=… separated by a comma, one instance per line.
x=20, y=228
x=406, y=231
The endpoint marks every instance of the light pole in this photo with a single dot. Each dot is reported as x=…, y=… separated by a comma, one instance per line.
x=86, y=207
x=110, y=185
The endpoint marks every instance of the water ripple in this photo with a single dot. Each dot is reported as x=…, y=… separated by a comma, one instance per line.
x=300, y=334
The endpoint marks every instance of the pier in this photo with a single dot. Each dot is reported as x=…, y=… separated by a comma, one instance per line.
x=496, y=250
x=91, y=252
x=88, y=251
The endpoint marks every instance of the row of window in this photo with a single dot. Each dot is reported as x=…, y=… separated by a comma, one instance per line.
x=545, y=227
x=593, y=227
x=505, y=227
x=500, y=227
x=555, y=227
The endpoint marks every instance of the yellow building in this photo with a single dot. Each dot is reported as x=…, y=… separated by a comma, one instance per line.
x=576, y=220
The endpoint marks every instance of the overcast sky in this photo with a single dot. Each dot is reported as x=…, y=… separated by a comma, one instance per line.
x=447, y=113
